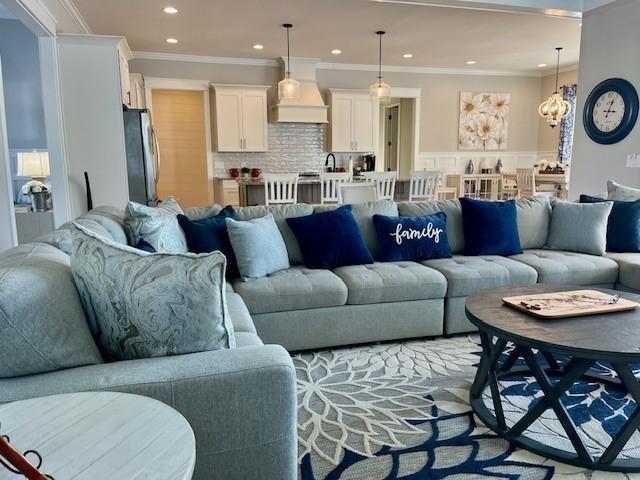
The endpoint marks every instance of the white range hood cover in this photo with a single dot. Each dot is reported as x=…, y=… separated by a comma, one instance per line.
x=309, y=107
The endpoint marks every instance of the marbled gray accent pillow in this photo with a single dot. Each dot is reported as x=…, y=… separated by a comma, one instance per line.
x=142, y=305
x=156, y=225
x=621, y=193
x=579, y=227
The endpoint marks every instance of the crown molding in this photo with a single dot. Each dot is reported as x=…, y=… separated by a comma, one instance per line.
x=76, y=17
x=258, y=62
x=179, y=57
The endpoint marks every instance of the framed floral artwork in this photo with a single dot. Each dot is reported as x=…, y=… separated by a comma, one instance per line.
x=484, y=121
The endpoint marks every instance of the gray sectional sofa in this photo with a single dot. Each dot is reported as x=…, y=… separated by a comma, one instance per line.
x=241, y=402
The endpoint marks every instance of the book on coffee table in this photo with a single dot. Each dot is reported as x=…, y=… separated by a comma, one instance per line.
x=570, y=304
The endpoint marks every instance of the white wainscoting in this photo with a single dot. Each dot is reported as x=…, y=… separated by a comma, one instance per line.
x=456, y=161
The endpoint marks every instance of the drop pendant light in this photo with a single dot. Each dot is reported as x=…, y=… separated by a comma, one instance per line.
x=380, y=91
x=555, y=108
x=288, y=88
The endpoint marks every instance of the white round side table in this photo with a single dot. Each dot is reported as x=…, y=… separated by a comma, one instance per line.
x=100, y=436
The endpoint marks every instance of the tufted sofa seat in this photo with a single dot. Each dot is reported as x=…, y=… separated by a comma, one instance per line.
x=570, y=268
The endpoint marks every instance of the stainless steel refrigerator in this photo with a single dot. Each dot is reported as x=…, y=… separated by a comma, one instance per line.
x=143, y=156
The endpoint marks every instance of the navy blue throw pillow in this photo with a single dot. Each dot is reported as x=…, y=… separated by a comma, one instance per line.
x=623, y=227
x=490, y=228
x=209, y=234
x=330, y=239
x=145, y=246
x=412, y=238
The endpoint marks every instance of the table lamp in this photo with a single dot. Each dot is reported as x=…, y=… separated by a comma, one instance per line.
x=33, y=164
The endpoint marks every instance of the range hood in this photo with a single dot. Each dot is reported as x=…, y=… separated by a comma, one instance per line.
x=309, y=107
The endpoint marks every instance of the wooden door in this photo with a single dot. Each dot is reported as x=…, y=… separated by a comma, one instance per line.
x=179, y=123
x=342, y=124
x=365, y=115
x=229, y=121
x=254, y=121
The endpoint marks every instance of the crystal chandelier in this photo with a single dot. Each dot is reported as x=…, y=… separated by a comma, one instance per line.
x=555, y=108
x=380, y=91
x=288, y=87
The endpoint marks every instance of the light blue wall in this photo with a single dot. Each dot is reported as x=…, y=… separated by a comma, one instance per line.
x=22, y=90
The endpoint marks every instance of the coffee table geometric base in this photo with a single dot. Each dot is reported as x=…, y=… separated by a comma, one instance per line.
x=543, y=366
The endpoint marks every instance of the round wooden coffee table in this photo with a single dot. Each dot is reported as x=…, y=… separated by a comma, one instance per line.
x=101, y=435
x=557, y=353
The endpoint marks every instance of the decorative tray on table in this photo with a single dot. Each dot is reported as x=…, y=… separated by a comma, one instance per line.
x=570, y=304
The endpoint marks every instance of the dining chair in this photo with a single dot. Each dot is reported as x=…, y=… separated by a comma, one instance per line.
x=280, y=188
x=526, y=181
x=424, y=185
x=508, y=187
x=385, y=183
x=329, y=182
x=349, y=193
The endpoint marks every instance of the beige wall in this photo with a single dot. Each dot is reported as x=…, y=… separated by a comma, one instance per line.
x=548, y=138
x=439, y=103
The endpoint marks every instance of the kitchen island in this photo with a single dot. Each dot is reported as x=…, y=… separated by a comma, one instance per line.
x=251, y=190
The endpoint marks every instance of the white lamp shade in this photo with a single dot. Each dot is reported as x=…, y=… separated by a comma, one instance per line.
x=33, y=164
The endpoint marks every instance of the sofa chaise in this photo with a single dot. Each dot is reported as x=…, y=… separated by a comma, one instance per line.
x=241, y=402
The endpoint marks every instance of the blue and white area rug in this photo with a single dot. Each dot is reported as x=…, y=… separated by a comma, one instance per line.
x=401, y=411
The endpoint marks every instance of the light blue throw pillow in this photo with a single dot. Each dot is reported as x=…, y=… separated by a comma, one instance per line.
x=142, y=305
x=579, y=227
x=258, y=246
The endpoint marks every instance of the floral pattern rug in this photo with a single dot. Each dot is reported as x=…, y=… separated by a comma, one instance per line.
x=401, y=411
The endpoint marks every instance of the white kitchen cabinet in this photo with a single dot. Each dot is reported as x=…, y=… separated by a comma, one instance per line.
x=124, y=55
x=354, y=121
x=136, y=86
x=240, y=118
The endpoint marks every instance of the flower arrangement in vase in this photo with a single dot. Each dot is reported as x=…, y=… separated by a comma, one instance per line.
x=545, y=167
x=39, y=194
x=245, y=172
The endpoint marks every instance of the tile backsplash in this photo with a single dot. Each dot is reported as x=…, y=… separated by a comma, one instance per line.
x=293, y=147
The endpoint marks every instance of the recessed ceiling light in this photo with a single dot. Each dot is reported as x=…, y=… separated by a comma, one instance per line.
x=257, y=46
x=172, y=40
x=542, y=65
x=471, y=62
x=336, y=51
x=170, y=10
x=407, y=55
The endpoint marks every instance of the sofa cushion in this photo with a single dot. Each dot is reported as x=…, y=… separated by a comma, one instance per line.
x=534, y=216
x=42, y=323
x=157, y=225
x=629, y=269
x=490, y=228
x=248, y=339
x=391, y=282
x=412, y=238
x=142, y=305
x=239, y=314
x=363, y=213
x=280, y=214
x=330, y=239
x=297, y=288
x=468, y=275
x=455, y=230
x=579, y=227
x=569, y=268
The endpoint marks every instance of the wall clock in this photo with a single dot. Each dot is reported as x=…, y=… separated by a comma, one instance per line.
x=611, y=111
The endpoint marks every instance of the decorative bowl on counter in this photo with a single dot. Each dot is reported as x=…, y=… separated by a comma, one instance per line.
x=234, y=172
x=256, y=172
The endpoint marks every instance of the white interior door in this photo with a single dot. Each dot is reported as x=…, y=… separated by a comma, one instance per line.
x=342, y=124
x=254, y=121
x=8, y=235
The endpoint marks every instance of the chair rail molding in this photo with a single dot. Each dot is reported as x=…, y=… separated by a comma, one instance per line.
x=455, y=161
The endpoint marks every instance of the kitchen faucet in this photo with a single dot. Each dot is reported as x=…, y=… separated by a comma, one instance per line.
x=326, y=163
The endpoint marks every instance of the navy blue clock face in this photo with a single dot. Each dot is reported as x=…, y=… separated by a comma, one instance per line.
x=611, y=111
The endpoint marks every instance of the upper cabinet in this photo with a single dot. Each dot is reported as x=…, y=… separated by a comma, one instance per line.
x=354, y=121
x=124, y=55
x=240, y=118
x=136, y=87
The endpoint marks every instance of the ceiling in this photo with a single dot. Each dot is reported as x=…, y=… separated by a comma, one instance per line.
x=436, y=36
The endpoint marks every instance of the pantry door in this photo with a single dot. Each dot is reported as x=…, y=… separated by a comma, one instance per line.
x=179, y=124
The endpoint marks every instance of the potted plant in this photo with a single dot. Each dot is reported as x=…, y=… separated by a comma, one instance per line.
x=245, y=172
x=39, y=194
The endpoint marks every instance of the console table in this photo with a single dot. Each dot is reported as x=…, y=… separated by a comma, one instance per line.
x=515, y=343
x=101, y=436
